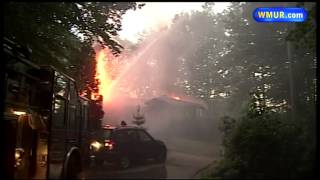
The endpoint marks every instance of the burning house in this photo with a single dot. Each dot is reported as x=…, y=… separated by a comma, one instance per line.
x=176, y=116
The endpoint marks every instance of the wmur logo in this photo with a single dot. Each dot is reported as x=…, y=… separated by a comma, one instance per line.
x=279, y=14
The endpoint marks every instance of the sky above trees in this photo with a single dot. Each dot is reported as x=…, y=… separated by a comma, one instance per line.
x=155, y=15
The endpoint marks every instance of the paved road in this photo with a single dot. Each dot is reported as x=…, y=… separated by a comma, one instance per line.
x=178, y=165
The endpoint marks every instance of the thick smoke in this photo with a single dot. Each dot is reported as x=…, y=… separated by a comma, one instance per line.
x=150, y=71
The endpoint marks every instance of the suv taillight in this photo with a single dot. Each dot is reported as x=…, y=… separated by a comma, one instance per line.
x=109, y=144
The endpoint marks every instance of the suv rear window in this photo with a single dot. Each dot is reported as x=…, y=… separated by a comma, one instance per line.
x=106, y=133
x=126, y=135
x=143, y=136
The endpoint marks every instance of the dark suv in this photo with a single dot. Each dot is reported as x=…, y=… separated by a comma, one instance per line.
x=124, y=145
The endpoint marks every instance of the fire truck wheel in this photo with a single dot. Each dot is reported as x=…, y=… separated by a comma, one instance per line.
x=73, y=167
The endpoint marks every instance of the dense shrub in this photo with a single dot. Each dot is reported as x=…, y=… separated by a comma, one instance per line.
x=265, y=145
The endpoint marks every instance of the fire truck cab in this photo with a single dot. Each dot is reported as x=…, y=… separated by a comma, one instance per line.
x=44, y=119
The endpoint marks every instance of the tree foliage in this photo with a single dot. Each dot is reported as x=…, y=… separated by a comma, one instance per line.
x=264, y=144
x=58, y=32
x=62, y=34
x=228, y=58
x=267, y=142
x=249, y=74
x=50, y=21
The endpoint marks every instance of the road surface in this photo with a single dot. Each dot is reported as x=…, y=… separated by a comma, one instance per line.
x=178, y=165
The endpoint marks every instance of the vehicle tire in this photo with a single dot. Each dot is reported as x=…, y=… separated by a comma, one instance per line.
x=161, y=157
x=124, y=162
x=73, y=168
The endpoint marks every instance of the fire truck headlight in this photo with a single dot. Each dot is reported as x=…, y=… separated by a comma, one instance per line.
x=96, y=145
x=17, y=155
x=19, y=152
x=19, y=113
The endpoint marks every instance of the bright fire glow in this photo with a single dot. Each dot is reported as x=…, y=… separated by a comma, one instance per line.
x=176, y=98
x=109, y=71
x=103, y=75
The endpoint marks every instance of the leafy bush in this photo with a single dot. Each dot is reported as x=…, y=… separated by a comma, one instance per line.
x=265, y=145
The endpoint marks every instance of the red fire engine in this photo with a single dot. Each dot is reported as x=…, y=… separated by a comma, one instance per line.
x=45, y=120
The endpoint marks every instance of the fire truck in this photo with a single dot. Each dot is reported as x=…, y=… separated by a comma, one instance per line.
x=45, y=121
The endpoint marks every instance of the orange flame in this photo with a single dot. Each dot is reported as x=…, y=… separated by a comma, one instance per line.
x=176, y=98
x=103, y=76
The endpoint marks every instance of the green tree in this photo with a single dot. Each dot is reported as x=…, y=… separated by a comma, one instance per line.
x=57, y=32
x=231, y=55
x=62, y=34
x=263, y=144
